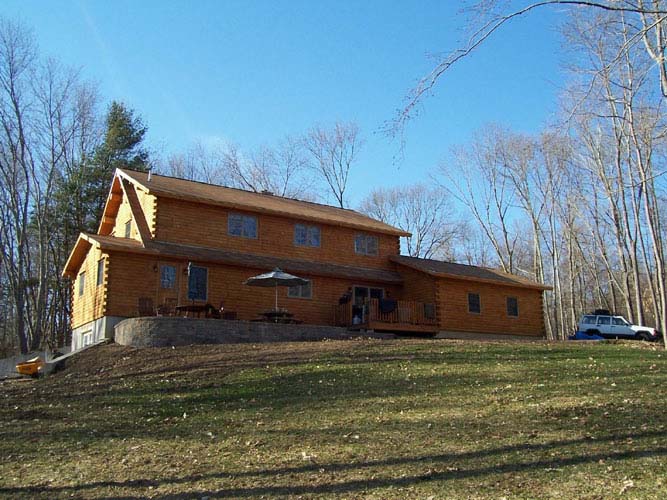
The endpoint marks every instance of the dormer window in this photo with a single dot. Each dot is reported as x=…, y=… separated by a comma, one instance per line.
x=242, y=225
x=366, y=244
x=128, y=228
x=306, y=236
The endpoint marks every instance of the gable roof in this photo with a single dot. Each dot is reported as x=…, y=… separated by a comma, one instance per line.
x=453, y=270
x=217, y=256
x=211, y=194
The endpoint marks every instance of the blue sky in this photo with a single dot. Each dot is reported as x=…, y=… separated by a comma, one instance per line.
x=252, y=72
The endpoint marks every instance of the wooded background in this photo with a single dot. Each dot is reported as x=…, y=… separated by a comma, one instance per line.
x=577, y=206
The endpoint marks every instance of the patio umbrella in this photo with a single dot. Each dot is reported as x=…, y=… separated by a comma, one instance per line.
x=275, y=279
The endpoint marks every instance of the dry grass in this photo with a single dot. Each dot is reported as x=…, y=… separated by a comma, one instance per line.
x=354, y=419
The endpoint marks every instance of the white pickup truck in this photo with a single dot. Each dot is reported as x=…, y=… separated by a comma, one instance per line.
x=616, y=327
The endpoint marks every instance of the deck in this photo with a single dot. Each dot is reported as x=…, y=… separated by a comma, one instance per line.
x=389, y=316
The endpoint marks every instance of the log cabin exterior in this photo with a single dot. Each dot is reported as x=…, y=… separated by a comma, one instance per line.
x=175, y=241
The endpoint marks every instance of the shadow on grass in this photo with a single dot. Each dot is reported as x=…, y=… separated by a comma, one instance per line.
x=460, y=472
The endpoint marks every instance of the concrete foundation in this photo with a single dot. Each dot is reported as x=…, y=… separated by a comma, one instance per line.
x=94, y=332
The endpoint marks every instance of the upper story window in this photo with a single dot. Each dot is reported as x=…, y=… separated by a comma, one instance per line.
x=242, y=225
x=82, y=282
x=100, y=272
x=512, y=306
x=128, y=228
x=306, y=236
x=197, y=283
x=167, y=277
x=366, y=244
x=301, y=291
x=474, y=303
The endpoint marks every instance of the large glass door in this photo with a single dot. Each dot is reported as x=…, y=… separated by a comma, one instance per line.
x=360, y=298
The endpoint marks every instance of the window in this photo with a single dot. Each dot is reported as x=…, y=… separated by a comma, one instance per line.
x=197, y=282
x=242, y=225
x=301, y=291
x=82, y=282
x=366, y=244
x=128, y=229
x=512, y=306
x=619, y=322
x=87, y=339
x=100, y=272
x=474, y=304
x=588, y=320
x=604, y=320
x=167, y=277
x=306, y=236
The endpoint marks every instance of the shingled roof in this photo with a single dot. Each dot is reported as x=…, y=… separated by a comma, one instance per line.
x=444, y=269
x=211, y=194
x=217, y=256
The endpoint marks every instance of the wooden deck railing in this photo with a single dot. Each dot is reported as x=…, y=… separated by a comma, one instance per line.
x=405, y=312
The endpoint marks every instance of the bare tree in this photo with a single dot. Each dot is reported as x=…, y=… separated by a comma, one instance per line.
x=39, y=123
x=489, y=16
x=425, y=212
x=281, y=169
x=477, y=180
x=333, y=152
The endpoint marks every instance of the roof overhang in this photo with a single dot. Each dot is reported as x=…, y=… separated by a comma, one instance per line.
x=77, y=256
x=224, y=257
x=523, y=283
x=166, y=193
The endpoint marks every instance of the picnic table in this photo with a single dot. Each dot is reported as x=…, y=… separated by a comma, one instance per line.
x=191, y=308
x=277, y=316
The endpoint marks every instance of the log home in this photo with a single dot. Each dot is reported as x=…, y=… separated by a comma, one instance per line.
x=165, y=241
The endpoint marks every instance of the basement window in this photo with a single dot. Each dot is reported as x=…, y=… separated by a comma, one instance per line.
x=512, y=307
x=474, y=303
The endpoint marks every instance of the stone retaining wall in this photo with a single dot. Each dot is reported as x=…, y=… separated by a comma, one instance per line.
x=164, y=332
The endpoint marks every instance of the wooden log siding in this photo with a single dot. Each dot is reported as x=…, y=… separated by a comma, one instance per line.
x=493, y=318
x=92, y=304
x=191, y=223
x=133, y=276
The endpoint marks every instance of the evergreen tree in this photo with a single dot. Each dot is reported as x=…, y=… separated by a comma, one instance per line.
x=122, y=147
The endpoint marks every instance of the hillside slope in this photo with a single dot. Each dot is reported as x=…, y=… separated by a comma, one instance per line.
x=350, y=419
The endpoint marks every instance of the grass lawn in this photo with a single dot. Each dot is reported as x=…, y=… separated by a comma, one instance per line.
x=350, y=419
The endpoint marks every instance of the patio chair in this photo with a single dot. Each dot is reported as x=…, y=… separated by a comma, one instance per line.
x=168, y=308
x=212, y=312
x=145, y=306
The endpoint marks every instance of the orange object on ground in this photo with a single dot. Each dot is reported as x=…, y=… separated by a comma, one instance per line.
x=30, y=367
